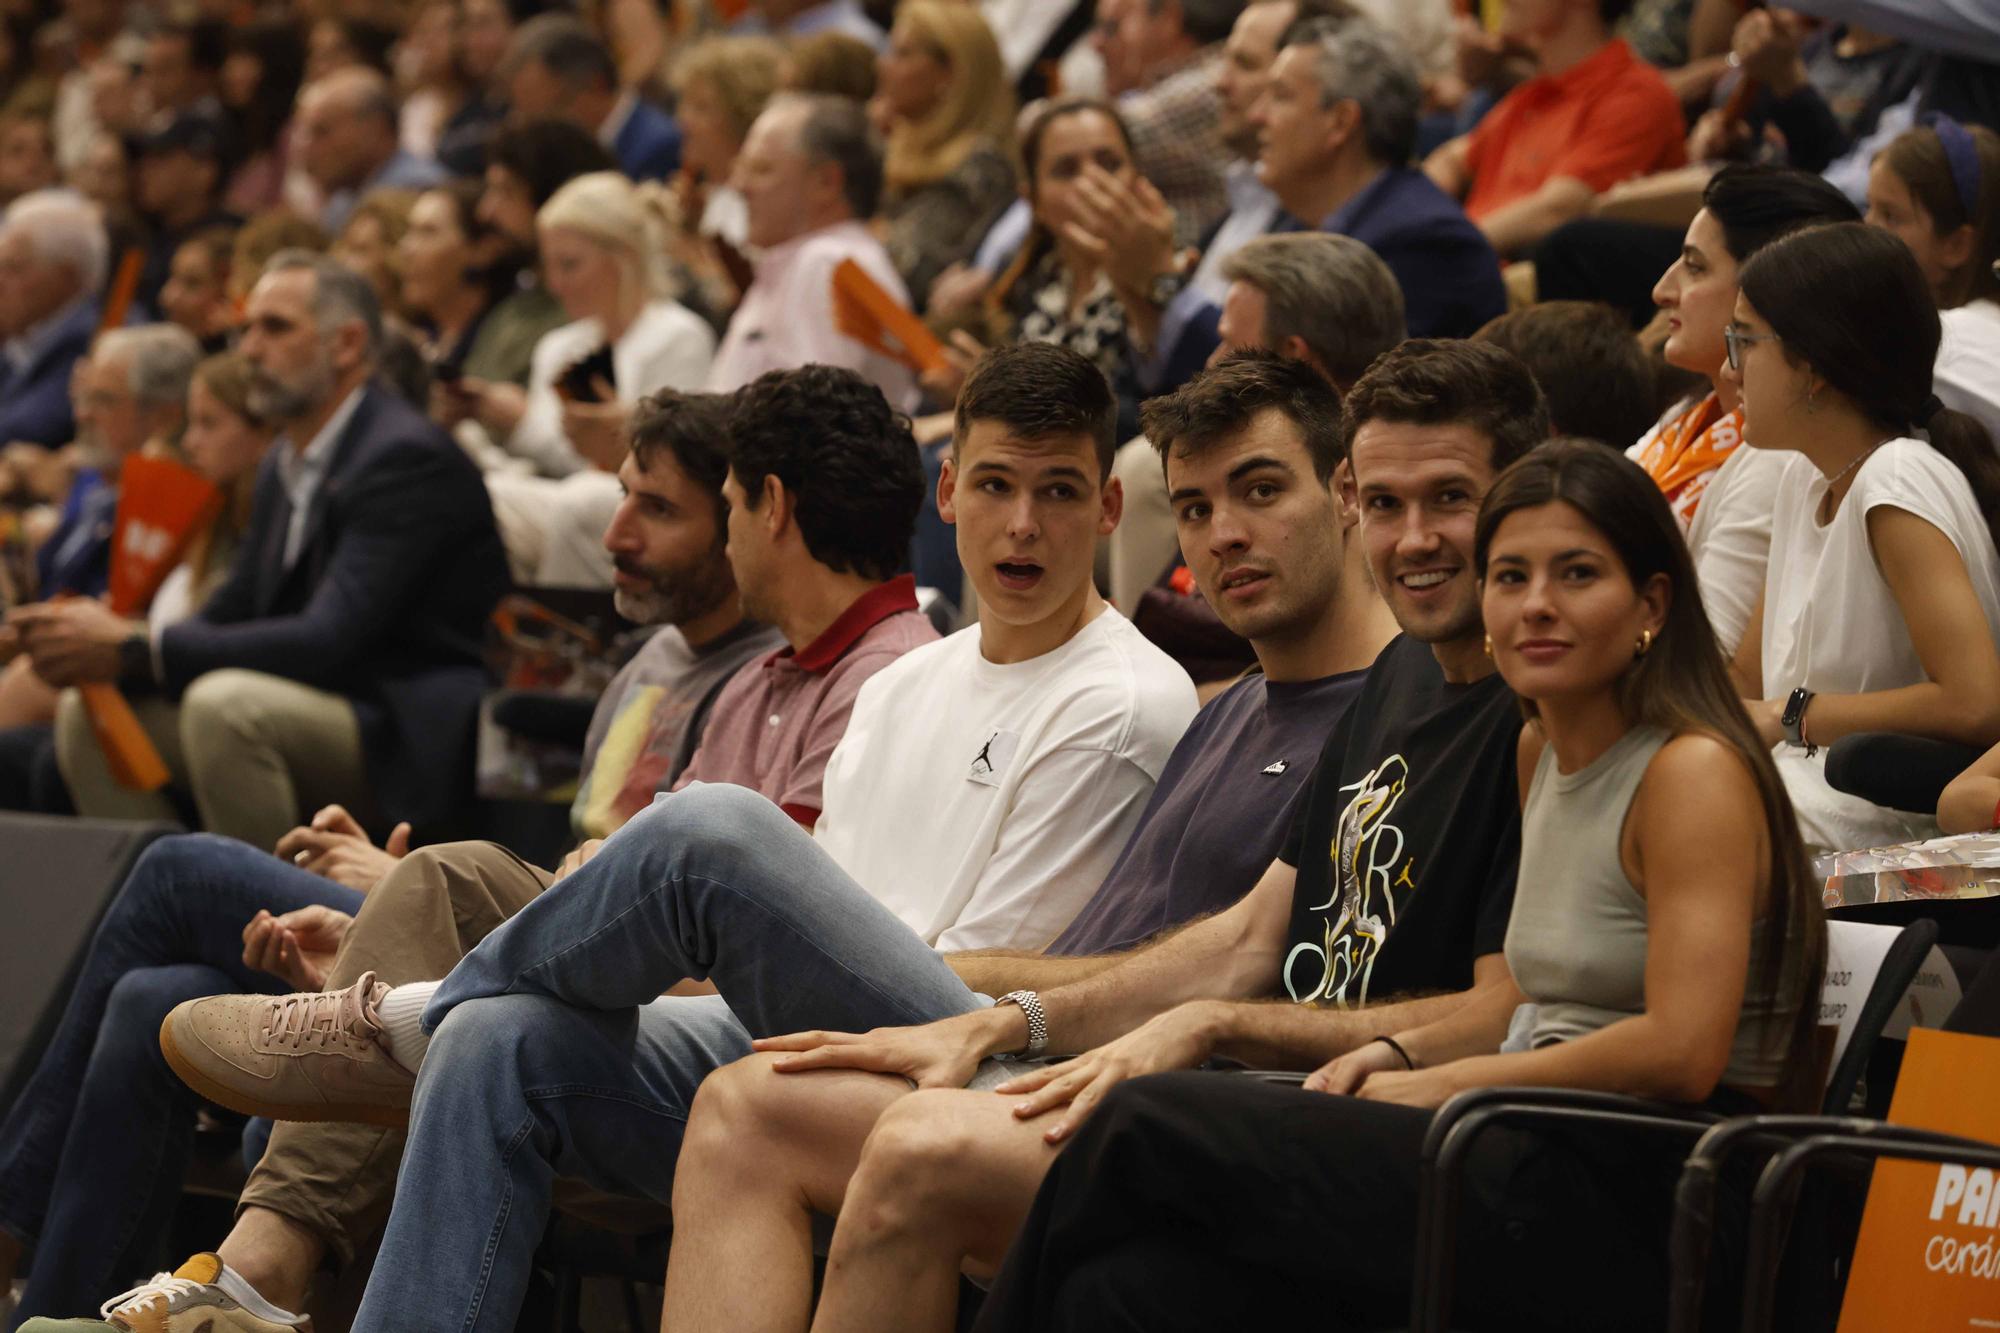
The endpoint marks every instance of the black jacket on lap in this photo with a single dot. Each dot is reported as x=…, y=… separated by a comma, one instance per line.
x=386, y=604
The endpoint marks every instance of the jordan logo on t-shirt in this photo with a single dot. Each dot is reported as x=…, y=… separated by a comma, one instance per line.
x=990, y=764
x=1273, y=770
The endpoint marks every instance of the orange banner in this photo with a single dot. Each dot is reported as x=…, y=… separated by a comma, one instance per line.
x=866, y=313
x=1928, y=1256
x=161, y=506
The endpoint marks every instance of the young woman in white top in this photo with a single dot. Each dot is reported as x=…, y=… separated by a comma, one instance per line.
x=1883, y=588
x=1938, y=187
x=603, y=257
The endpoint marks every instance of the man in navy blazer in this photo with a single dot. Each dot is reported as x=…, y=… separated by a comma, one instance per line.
x=340, y=661
x=557, y=68
x=52, y=264
x=1337, y=124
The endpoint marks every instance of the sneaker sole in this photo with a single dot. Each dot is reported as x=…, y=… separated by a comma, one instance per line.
x=387, y=1117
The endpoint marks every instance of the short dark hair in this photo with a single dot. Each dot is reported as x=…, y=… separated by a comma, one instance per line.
x=207, y=40
x=836, y=130
x=565, y=46
x=695, y=427
x=1039, y=391
x=1440, y=381
x=1206, y=21
x=549, y=154
x=217, y=245
x=1755, y=203
x=1221, y=401
x=848, y=460
x=1596, y=376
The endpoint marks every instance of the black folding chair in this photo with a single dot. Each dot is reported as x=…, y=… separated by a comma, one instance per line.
x=1462, y=1121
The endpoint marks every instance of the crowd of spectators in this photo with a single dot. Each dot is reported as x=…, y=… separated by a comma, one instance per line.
x=1088, y=492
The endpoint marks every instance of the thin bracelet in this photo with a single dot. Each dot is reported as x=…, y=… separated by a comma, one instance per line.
x=1397, y=1047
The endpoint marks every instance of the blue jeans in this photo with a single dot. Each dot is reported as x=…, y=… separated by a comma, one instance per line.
x=91, y=1156
x=554, y=1055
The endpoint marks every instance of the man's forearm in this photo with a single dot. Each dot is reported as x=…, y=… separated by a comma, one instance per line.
x=998, y=971
x=1209, y=960
x=1283, y=1035
x=1521, y=225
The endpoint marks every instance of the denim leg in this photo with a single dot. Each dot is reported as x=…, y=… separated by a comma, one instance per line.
x=185, y=902
x=125, y=1154
x=517, y=1090
x=715, y=882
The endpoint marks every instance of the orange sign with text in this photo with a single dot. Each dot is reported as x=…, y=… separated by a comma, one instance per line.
x=1928, y=1256
x=161, y=506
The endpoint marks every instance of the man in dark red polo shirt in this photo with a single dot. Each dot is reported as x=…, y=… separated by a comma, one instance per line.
x=1593, y=115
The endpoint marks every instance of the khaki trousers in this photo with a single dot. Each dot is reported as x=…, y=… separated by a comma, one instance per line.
x=339, y=1180
x=257, y=752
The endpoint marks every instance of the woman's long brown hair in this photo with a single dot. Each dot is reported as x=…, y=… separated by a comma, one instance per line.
x=1682, y=685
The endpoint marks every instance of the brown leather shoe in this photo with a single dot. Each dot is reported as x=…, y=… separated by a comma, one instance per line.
x=311, y=1056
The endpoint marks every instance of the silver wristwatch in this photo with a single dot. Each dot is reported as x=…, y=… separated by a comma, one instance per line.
x=1038, y=1026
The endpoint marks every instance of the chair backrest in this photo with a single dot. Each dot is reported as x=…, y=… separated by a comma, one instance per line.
x=1869, y=970
x=56, y=878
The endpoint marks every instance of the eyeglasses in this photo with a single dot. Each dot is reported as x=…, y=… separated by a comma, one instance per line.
x=1734, y=340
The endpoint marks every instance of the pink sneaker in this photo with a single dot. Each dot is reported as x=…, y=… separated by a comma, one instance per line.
x=311, y=1056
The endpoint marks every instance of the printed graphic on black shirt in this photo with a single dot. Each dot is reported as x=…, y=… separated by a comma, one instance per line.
x=1369, y=872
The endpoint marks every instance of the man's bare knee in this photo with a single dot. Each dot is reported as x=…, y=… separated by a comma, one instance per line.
x=923, y=1147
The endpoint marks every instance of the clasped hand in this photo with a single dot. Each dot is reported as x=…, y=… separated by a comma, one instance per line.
x=1375, y=1073
x=73, y=641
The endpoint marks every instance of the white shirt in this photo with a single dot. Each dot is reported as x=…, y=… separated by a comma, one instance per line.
x=1967, y=376
x=300, y=471
x=1831, y=623
x=1252, y=210
x=667, y=346
x=983, y=804
x=786, y=317
x=1730, y=539
x=615, y=119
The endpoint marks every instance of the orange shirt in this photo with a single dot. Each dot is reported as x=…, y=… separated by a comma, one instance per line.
x=1604, y=120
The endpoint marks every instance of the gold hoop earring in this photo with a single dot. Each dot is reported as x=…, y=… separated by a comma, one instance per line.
x=1645, y=643
x=1489, y=645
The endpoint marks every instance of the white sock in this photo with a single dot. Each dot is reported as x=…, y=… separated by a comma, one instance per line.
x=233, y=1286
x=402, y=1011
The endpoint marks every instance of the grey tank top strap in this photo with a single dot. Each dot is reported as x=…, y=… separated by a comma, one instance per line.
x=1576, y=942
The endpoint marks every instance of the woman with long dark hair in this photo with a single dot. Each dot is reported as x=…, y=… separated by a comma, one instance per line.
x=1883, y=589
x=1666, y=939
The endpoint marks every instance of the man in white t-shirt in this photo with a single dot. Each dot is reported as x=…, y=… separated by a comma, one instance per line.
x=980, y=798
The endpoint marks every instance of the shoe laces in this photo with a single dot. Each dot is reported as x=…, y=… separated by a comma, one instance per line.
x=163, y=1288
x=324, y=1017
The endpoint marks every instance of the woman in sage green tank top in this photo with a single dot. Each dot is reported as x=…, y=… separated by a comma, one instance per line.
x=1665, y=928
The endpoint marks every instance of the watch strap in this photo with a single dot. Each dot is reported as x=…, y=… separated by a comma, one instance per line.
x=1030, y=1005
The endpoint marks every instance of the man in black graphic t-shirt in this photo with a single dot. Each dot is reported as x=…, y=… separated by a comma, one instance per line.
x=1407, y=841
